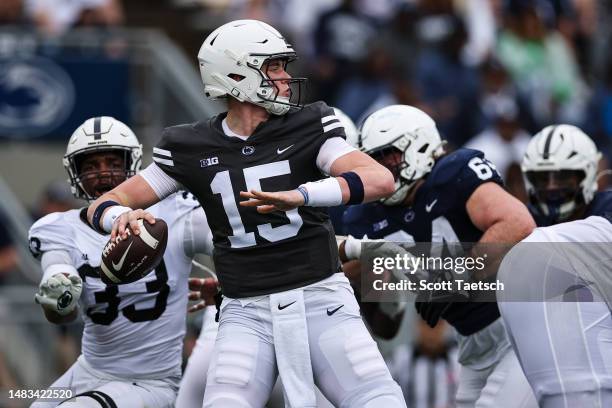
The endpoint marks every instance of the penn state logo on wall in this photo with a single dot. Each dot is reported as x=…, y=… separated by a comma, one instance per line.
x=36, y=96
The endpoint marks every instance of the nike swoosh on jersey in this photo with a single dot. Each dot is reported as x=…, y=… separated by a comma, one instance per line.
x=285, y=306
x=429, y=206
x=334, y=311
x=119, y=265
x=281, y=151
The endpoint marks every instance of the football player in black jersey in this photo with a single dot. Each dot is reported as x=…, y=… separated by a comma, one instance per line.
x=561, y=329
x=447, y=198
x=259, y=170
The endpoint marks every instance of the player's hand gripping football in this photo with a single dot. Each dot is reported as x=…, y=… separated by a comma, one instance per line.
x=60, y=293
x=204, y=290
x=267, y=202
x=130, y=218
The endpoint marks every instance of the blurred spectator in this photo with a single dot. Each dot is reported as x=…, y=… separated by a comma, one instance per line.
x=56, y=16
x=541, y=64
x=602, y=35
x=481, y=29
x=8, y=252
x=269, y=11
x=382, y=11
x=299, y=21
x=371, y=87
x=342, y=39
x=576, y=21
x=11, y=11
x=599, y=120
x=496, y=88
x=56, y=197
x=504, y=142
x=399, y=39
x=427, y=372
x=446, y=83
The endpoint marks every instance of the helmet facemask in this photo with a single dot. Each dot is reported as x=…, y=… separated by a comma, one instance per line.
x=397, y=162
x=556, y=195
x=560, y=172
x=107, y=179
x=269, y=91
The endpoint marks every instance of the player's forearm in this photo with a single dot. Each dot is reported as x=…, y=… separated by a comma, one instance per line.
x=510, y=229
x=56, y=318
x=497, y=241
x=377, y=183
x=133, y=193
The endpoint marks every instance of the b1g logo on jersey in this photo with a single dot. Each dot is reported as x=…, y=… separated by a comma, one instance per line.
x=210, y=161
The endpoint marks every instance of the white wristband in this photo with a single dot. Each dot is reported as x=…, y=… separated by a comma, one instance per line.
x=323, y=193
x=352, y=248
x=111, y=215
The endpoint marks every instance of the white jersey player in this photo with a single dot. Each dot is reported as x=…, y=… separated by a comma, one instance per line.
x=133, y=334
x=558, y=281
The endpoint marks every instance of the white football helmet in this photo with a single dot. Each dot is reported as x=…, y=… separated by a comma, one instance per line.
x=240, y=48
x=96, y=135
x=560, y=151
x=352, y=134
x=409, y=131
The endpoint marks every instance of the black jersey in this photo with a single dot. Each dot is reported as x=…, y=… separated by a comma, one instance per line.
x=257, y=253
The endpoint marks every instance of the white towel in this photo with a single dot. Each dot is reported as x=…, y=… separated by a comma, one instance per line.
x=290, y=332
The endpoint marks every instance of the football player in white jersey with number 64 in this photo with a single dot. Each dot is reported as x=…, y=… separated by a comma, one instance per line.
x=133, y=336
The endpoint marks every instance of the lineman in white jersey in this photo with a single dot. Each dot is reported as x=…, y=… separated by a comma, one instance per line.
x=558, y=280
x=133, y=334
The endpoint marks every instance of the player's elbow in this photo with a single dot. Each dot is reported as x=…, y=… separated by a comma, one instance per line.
x=386, y=183
x=525, y=225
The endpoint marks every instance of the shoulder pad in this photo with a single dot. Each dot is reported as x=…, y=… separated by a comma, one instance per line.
x=451, y=166
x=51, y=232
x=175, y=136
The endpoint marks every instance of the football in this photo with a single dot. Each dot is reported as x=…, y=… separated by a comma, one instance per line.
x=127, y=260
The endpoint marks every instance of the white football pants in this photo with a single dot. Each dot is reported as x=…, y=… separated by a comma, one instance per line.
x=490, y=375
x=94, y=389
x=191, y=391
x=346, y=363
x=564, y=344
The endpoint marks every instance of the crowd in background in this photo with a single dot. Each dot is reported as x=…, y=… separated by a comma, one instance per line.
x=483, y=69
x=490, y=72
